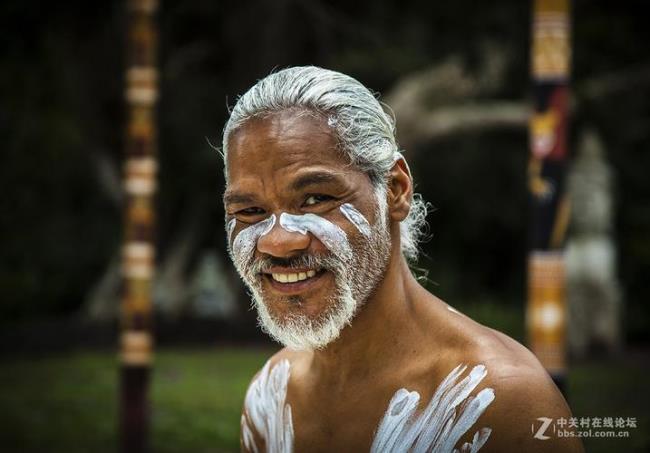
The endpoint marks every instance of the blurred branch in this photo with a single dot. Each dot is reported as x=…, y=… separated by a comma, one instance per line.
x=107, y=175
x=613, y=83
x=444, y=122
x=441, y=101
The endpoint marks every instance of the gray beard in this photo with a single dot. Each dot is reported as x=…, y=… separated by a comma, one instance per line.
x=355, y=281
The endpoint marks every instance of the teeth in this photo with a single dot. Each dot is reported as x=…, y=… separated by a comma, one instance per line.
x=295, y=277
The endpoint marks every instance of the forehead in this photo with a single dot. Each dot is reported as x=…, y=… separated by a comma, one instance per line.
x=281, y=144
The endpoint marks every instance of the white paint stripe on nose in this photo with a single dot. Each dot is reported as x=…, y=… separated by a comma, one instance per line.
x=331, y=235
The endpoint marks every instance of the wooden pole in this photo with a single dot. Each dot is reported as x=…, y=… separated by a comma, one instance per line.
x=138, y=252
x=550, y=70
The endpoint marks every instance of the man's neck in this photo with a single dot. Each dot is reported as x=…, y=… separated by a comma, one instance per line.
x=376, y=332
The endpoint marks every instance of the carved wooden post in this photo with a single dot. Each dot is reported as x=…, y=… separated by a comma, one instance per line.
x=138, y=250
x=546, y=311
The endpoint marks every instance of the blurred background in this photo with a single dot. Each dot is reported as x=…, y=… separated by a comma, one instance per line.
x=457, y=76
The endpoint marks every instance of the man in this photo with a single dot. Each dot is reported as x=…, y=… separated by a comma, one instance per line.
x=322, y=222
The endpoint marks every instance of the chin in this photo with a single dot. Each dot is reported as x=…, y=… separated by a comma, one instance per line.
x=299, y=330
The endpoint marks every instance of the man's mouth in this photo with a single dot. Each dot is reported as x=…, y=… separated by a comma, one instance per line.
x=294, y=277
x=294, y=281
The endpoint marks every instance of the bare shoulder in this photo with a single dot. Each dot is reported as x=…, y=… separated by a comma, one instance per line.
x=292, y=360
x=525, y=396
x=524, y=393
x=265, y=399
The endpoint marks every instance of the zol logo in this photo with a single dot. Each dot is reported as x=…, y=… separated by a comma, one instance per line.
x=541, y=430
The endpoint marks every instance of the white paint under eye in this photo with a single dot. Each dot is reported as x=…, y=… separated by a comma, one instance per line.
x=230, y=227
x=356, y=218
x=266, y=411
x=246, y=240
x=451, y=412
x=331, y=235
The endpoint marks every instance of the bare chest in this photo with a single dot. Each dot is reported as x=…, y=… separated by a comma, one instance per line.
x=343, y=423
x=363, y=418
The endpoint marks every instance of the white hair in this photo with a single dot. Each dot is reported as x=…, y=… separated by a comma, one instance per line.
x=366, y=132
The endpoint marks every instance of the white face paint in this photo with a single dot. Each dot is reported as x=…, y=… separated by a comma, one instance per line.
x=246, y=240
x=356, y=273
x=230, y=227
x=356, y=218
x=331, y=235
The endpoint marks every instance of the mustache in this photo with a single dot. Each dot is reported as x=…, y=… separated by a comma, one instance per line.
x=265, y=264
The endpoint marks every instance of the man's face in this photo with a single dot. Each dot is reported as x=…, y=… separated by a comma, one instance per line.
x=307, y=231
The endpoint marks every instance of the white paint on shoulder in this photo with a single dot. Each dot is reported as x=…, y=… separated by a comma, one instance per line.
x=451, y=412
x=453, y=310
x=267, y=411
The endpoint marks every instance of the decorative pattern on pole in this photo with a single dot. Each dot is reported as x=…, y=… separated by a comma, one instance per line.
x=138, y=253
x=550, y=67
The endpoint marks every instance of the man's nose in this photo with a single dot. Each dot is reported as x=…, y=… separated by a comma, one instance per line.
x=282, y=243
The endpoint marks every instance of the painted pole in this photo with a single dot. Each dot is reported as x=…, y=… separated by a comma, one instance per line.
x=138, y=252
x=550, y=71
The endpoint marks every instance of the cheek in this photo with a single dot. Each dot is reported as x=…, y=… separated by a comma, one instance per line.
x=230, y=228
x=245, y=241
x=357, y=219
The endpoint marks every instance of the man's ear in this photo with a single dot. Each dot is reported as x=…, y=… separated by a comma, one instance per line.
x=400, y=190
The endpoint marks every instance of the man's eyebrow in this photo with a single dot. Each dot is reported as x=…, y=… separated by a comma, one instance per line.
x=234, y=197
x=312, y=179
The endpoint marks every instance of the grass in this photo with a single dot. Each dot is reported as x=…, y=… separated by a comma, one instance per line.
x=68, y=403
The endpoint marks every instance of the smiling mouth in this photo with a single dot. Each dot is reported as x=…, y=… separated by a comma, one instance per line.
x=294, y=282
x=292, y=278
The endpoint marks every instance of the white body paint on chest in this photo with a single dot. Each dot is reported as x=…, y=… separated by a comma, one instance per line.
x=331, y=235
x=450, y=414
x=267, y=412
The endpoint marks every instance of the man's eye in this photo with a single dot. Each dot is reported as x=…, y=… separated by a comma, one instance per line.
x=251, y=211
x=315, y=199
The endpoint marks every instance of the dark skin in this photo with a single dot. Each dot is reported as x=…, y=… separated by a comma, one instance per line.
x=403, y=336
